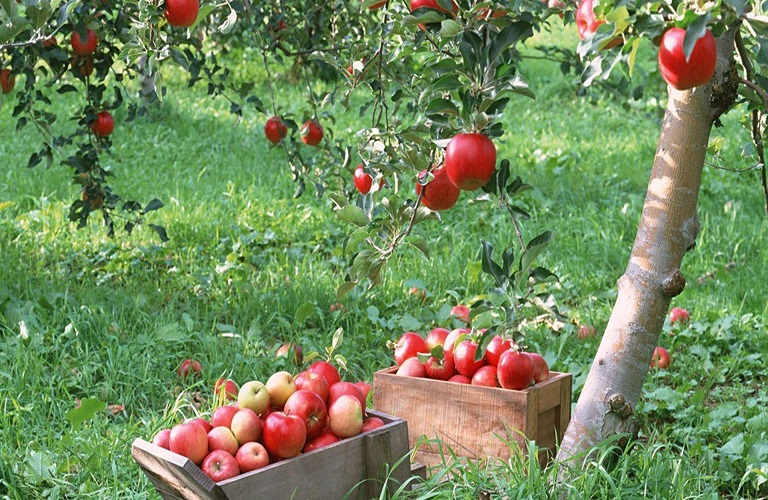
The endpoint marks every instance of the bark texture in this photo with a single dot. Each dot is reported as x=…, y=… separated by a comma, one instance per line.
x=667, y=229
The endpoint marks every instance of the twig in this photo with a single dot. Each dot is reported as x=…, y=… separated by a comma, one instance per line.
x=269, y=83
x=757, y=138
x=760, y=92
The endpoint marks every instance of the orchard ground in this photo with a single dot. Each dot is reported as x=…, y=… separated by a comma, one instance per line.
x=248, y=267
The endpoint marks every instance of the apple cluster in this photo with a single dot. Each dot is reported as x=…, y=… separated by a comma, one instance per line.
x=262, y=423
x=453, y=356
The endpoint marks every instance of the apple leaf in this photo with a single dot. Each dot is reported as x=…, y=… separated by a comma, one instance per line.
x=345, y=288
x=695, y=30
x=86, y=411
x=510, y=35
x=449, y=28
x=352, y=214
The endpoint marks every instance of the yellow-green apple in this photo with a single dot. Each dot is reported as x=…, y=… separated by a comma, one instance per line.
x=162, y=439
x=246, y=426
x=412, y=367
x=485, y=376
x=327, y=370
x=540, y=367
x=371, y=423
x=189, y=440
x=340, y=388
x=284, y=435
x=226, y=387
x=660, y=358
x=310, y=408
x=324, y=439
x=314, y=382
x=436, y=337
x=280, y=386
x=345, y=416
x=251, y=456
x=220, y=465
x=253, y=395
x=221, y=438
x=222, y=416
x=298, y=354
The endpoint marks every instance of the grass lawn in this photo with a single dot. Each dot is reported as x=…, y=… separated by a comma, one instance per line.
x=84, y=316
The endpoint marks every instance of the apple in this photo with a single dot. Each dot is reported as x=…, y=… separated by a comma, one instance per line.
x=485, y=376
x=540, y=367
x=284, y=435
x=408, y=346
x=365, y=387
x=181, y=13
x=678, y=315
x=251, y=456
x=440, y=368
x=556, y=4
x=432, y=4
x=660, y=358
x=298, y=353
x=470, y=160
x=436, y=337
x=103, y=125
x=450, y=340
x=515, y=370
x=189, y=367
x=253, y=395
x=226, y=387
x=464, y=358
x=496, y=347
x=275, y=129
x=460, y=379
x=412, y=367
x=82, y=65
x=310, y=408
x=163, y=439
x=587, y=24
x=371, y=423
x=439, y=193
x=345, y=416
x=221, y=438
x=246, y=426
x=202, y=423
x=222, y=416
x=280, y=386
x=7, y=81
x=340, y=388
x=586, y=331
x=220, y=465
x=327, y=370
x=683, y=74
x=324, y=439
x=84, y=46
x=189, y=440
x=461, y=313
x=311, y=133
x=314, y=382
x=493, y=14
x=363, y=180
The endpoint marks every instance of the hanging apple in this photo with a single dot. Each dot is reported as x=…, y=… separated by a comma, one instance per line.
x=698, y=69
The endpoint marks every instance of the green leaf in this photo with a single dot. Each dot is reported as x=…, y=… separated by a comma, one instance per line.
x=442, y=106
x=345, y=288
x=446, y=82
x=535, y=247
x=303, y=313
x=153, y=205
x=421, y=245
x=695, y=30
x=88, y=408
x=509, y=36
x=449, y=28
x=354, y=215
x=490, y=267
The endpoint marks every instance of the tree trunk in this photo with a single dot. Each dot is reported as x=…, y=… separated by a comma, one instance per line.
x=667, y=229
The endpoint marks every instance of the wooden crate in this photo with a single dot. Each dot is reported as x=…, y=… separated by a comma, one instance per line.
x=474, y=422
x=358, y=463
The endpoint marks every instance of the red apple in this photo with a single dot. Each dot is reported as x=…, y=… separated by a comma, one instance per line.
x=485, y=376
x=436, y=337
x=275, y=129
x=222, y=416
x=220, y=465
x=496, y=347
x=470, y=160
x=450, y=340
x=461, y=313
x=251, y=456
x=181, y=13
x=311, y=133
x=310, y=408
x=345, y=416
x=284, y=435
x=685, y=74
x=103, y=125
x=365, y=387
x=298, y=353
x=440, y=368
x=201, y=422
x=660, y=358
x=226, y=388
x=314, y=382
x=587, y=24
x=371, y=423
x=464, y=358
x=189, y=440
x=246, y=426
x=189, y=367
x=363, y=180
x=409, y=345
x=7, y=81
x=327, y=370
x=221, y=438
x=82, y=65
x=84, y=46
x=253, y=395
x=678, y=315
x=412, y=367
x=340, y=388
x=439, y=193
x=540, y=367
x=280, y=386
x=432, y=4
x=162, y=439
x=515, y=370
x=324, y=439
x=586, y=331
x=460, y=379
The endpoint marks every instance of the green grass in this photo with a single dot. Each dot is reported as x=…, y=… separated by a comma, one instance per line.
x=112, y=319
